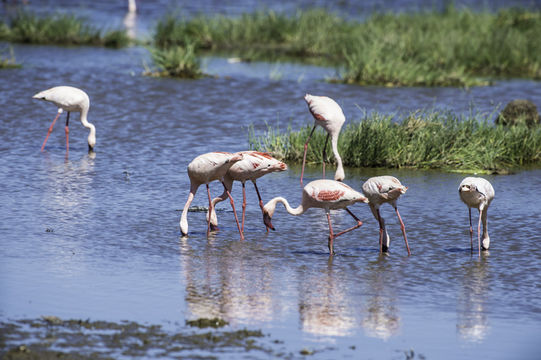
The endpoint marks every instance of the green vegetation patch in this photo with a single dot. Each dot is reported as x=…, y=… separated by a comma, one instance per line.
x=449, y=48
x=178, y=61
x=435, y=140
x=58, y=29
x=8, y=62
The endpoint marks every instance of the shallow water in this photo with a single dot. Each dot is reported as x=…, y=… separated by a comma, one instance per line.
x=97, y=236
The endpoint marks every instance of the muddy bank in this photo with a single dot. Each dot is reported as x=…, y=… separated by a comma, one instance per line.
x=54, y=338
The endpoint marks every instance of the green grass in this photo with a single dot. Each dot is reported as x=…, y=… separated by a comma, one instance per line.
x=59, y=29
x=431, y=140
x=8, y=62
x=449, y=48
x=180, y=62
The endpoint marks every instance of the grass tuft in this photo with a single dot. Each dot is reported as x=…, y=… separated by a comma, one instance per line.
x=176, y=61
x=8, y=62
x=59, y=29
x=448, y=48
x=433, y=140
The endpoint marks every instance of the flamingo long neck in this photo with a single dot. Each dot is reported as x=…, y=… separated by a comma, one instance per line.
x=86, y=124
x=293, y=211
x=339, y=174
x=184, y=216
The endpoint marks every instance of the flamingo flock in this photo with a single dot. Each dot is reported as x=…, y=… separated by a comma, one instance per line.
x=326, y=194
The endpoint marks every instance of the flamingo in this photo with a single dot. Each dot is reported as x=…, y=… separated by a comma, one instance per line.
x=204, y=169
x=327, y=114
x=70, y=99
x=380, y=190
x=324, y=194
x=253, y=166
x=477, y=193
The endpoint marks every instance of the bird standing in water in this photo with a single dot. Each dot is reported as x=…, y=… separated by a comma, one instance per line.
x=477, y=193
x=329, y=115
x=324, y=194
x=380, y=190
x=68, y=98
x=253, y=166
x=204, y=169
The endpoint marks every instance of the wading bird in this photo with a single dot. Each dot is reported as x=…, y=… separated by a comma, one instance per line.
x=69, y=99
x=324, y=194
x=327, y=114
x=204, y=169
x=477, y=193
x=253, y=166
x=380, y=190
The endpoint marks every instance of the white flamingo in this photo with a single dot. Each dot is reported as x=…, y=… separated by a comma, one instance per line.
x=380, y=190
x=477, y=193
x=204, y=169
x=68, y=98
x=329, y=115
x=253, y=166
x=324, y=194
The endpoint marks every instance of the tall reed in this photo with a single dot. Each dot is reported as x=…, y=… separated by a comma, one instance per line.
x=436, y=140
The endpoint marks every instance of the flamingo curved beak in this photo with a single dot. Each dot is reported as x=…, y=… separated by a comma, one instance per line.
x=267, y=221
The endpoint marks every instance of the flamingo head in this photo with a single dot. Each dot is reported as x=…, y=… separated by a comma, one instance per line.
x=267, y=216
x=466, y=188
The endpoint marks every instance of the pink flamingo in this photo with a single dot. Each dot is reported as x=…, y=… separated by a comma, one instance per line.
x=327, y=114
x=380, y=190
x=324, y=194
x=253, y=166
x=477, y=193
x=203, y=170
x=70, y=99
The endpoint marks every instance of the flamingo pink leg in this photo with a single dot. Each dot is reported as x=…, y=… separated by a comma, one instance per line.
x=305, y=150
x=210, y=209
x=403, y=227
x=51, y=129
x=331, y=235
x=381, y=226
x=234, y=211
x=359, y=224
x=260, y=202
x=471, y=231
x=66, y=128
x=479, y=232
x=243, y=204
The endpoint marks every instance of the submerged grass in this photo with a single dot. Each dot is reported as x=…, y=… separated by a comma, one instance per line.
x=8, y=62
x=435, y=140
x=58, y=29
x=449, y=48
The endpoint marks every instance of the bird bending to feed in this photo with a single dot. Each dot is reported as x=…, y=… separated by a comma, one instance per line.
x=202, y=170
x=380, y=190
x=324, y=194
x=68, y=98
x=253, y=166
x=477, y=193
x=327, y=114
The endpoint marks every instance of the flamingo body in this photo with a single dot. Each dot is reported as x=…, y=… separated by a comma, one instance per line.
x=380, y=190
x=204, y=169
x=477, y=193
x=324, y=194
x=70, y=99
x=253, y=166
x=329, y=115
